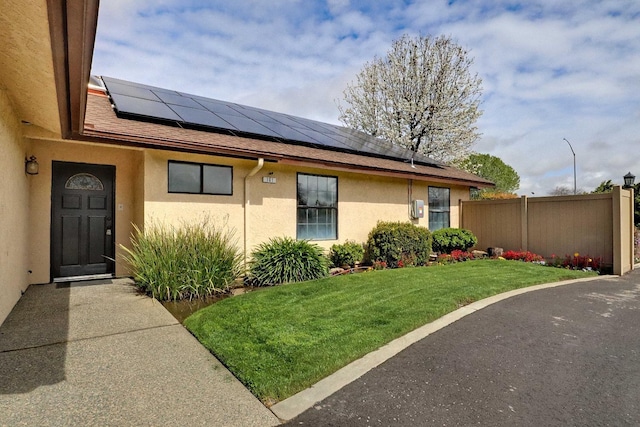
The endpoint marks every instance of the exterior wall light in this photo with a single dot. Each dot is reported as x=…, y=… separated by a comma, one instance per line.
x=31, y=166
x=629, y=180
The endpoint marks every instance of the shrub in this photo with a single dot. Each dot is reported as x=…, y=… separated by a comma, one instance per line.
x=445, y=259
x=459, y=255
x=525, y=256
x=447, y=240
x=580, y=262
x=349, y=253
x=398, y=244
x=285, y=260
x=455, y=256
x=379, y=265
x=193, y=260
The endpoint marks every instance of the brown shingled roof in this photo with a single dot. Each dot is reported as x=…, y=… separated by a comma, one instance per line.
x=102, y=124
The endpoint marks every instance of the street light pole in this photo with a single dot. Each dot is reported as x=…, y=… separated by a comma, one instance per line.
x=575, y=188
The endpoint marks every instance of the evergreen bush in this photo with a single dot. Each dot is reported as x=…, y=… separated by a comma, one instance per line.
x=286, y=260
x=346, y=254
x=398, y=244
x=447, y=240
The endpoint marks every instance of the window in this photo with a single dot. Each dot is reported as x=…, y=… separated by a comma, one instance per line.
x=317, y=207
x=438, y=208
x=197, y=178
x=84, y=181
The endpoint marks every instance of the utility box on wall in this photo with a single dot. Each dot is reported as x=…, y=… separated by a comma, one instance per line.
x=417, y=209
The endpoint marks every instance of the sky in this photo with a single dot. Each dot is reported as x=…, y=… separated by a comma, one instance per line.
x=551, y=70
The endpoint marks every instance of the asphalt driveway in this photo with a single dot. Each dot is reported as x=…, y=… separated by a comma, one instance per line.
x=561, y=356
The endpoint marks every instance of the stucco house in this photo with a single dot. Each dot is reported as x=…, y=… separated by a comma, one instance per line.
x=112, y=153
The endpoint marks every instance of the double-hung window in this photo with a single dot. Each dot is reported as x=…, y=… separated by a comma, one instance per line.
x=439, y=208
x=199, y=178
x=317, y=207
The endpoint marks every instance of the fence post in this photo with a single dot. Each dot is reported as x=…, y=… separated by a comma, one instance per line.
x=622, y=230
x=524, y=226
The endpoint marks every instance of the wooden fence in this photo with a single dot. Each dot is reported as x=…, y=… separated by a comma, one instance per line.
x=596, y=225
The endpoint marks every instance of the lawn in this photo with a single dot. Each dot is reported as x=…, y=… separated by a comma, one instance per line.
x=281, y=340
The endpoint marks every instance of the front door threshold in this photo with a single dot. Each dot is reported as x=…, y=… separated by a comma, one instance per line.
x=83, y=278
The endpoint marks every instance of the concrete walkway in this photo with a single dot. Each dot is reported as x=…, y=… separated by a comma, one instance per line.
x=100, y=354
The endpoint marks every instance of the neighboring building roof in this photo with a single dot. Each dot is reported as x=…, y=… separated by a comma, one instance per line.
x=158, y=118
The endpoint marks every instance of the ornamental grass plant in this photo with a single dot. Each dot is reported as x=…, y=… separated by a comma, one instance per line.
x=192, y=260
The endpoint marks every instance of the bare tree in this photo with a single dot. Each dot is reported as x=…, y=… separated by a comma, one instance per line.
x=562, y=190
x=422, y=96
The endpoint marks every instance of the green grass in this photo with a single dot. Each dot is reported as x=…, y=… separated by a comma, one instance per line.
x=279, y=341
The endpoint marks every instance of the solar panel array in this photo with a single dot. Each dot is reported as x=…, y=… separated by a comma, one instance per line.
x=142, y=102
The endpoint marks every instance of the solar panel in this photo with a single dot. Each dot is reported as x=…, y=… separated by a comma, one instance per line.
x=325, y=140
x=246, y=125
x=143, y=107
x=136, y=92
x=148, y=102
x=218, y=107
x=284, y=131
x=175, y=99
x=200, y=117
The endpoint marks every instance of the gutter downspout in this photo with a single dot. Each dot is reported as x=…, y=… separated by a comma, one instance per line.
x=247, y=203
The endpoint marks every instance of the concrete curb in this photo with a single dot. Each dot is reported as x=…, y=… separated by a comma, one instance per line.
x=300, y=402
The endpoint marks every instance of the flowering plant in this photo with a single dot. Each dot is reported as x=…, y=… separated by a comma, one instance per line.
x=525, y=256
x=379, y=265
x=456, y=255
x=445, y=259
x=582, y=262
x=459, y=255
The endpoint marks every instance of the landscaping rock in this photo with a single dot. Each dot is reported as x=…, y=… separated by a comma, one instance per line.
x=480, y=254
x=495, y=252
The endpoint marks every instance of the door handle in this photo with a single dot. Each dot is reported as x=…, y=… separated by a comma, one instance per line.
x=108, y=232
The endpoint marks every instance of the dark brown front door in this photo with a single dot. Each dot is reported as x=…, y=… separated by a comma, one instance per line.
x=82, y=219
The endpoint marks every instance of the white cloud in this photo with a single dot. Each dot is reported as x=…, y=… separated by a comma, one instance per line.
x=551, y=70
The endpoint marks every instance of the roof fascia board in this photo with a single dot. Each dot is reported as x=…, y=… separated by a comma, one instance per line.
x=386, y=173
x=165, y=145
x=72, y=26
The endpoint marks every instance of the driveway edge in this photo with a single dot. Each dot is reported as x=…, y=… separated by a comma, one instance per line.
x=300, y=402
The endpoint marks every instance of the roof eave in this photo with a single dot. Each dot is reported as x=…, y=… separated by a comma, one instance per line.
x=142, y=142
x=72, y=25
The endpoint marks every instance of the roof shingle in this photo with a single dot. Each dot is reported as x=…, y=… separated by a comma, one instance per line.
x=102, y=124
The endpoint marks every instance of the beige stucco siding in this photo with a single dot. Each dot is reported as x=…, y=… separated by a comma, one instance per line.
x=26, y=66
x=160, y=206
x=14, y=209
x=261, y=212
x=127, y=163
x=363, y=200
